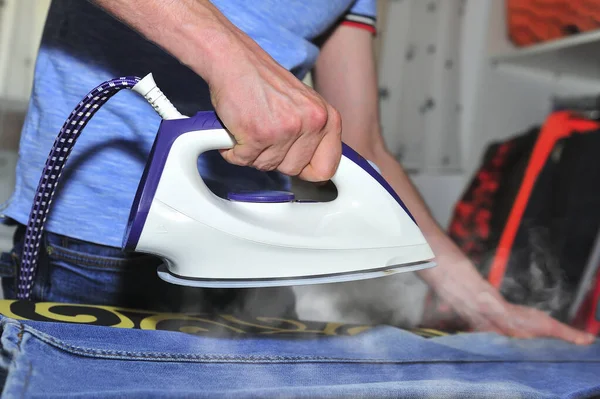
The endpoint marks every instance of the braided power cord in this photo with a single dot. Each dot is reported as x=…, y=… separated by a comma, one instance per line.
x=53, y=168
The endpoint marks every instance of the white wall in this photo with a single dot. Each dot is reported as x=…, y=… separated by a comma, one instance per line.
x=21, y=27
x=426, y=49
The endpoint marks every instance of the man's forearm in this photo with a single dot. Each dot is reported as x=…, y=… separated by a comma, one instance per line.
x=193, y=31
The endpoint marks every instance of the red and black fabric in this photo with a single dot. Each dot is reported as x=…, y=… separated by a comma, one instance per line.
x=481, y=213
x=567, y=149
x=530, y=216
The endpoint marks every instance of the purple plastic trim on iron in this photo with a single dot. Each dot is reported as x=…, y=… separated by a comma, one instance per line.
x=261, y=196
x=168, y=132
x=363, y=163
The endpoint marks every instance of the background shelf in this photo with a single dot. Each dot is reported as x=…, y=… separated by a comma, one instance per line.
x=578, y=55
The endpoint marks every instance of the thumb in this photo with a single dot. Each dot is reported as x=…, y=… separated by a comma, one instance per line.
x=325, y=160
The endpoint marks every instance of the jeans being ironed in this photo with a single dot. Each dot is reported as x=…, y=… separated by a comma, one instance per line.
x=51, y=359
x=72, y=271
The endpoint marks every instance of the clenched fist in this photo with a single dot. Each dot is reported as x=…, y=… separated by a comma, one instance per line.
x=278, y=122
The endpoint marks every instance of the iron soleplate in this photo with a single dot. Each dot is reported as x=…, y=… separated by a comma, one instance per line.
x=166, y=275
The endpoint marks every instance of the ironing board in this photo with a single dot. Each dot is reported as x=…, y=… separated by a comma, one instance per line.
x=99, y=351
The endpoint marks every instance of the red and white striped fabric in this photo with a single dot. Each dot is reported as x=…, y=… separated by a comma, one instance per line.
x=361, y=21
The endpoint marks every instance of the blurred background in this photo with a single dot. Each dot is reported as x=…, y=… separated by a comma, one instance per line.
x=471, y=92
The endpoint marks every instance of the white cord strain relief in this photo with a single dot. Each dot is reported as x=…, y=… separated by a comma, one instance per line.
x=156, y=98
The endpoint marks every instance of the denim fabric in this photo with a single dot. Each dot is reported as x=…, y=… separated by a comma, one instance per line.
x=49, y=359
x=73, y=271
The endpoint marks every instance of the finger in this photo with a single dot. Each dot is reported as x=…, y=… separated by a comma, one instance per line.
x=272, y=157
x=268, y=159
x=318, y=123
x=242, y=154
x=300, y=154
x=552, y=328
x=567, y=333
x=525, y=323
x=324, y=162
x=326, y=158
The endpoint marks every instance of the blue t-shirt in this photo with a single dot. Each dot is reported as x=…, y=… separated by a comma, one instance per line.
x=82, y=46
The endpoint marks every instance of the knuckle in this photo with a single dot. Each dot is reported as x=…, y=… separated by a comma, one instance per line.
x=318, y=116
x=265, y=137
x=284, y=128
x=336, y=120
x=258, y=134
x=242, y=162
x=265, y=166
x=290, y=124
x=261, y=136
x=240, y=159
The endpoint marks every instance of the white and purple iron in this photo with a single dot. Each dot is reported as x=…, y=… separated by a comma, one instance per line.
x=258, y=239
x=254, y=239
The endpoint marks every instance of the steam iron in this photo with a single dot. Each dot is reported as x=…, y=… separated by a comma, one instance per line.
x=255, y=239
x=260, y=239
